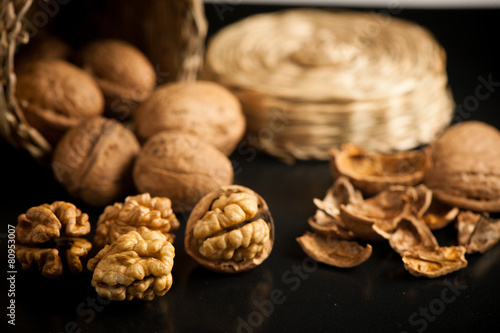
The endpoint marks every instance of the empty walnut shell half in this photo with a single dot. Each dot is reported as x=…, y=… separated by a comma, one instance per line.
x=334, y=252
x=477, y=232
x=326, y=221
x=372, y=172
x=94, y=161
x=230, y=230
x=411, y=234
x=436, y=262
x=137, y=212
x=47, y=234
x=464, y=167
x=201, y=108
x=56, y=95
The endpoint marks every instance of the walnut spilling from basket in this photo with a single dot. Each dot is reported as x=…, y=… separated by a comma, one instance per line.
x=404, y=197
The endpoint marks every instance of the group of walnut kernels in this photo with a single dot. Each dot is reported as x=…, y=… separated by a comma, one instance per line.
x=403, y=197
x=229, y=230
x=117, y=130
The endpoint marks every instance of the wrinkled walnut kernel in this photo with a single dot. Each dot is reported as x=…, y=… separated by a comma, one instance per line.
x=136, y=265
x=230, y=230
x=136, y=212
x=47, y=233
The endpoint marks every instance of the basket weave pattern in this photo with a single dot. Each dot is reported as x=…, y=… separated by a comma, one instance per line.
x=333, y=77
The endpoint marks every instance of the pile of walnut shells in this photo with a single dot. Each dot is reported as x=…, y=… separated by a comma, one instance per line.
x=403, y=197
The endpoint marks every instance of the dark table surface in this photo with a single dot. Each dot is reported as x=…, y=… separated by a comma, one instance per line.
x=289, y=292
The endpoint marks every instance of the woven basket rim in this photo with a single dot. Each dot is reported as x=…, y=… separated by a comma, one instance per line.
x=13, y=33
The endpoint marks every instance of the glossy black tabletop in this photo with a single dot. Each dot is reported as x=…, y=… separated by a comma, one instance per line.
x=289, y=292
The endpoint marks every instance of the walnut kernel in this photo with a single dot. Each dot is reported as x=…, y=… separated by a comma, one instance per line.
x=136, y=265
x=230, y=230
x=45, y=234
x=139, y=212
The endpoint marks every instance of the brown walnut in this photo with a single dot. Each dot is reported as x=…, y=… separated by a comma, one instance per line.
x=202, y=108
x=47, y=234
x=94, y=161
x=43, y=48
x=230, y=230
x=136, y=265
x=464, y=167
x=124, y=74
x=182, y=168
x=138, y=212
x=56, y=95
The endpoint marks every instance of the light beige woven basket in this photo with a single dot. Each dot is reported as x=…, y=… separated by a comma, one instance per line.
x=171, y=33
x=312, y=79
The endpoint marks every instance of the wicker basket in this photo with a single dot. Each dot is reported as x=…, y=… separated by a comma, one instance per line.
x=171, y=33
x=312, y=79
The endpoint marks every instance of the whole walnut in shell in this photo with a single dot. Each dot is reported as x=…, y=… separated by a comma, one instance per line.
x=202, y=108
x=230, y=230
x=181, y=167
x=464, y=168
x=56, y=95
x=123, y=72
x=43, y=47
x=94, y=161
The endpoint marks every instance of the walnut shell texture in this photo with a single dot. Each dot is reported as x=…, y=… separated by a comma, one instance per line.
x=464, y=170
x=56, y=95
x=122, y=71
x=182, y=168
x=94, y=161
x=334, y=252
x=202, y=108
x=372, y=172
x=213, y=220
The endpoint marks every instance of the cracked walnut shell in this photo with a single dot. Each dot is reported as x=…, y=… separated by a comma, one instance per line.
x=47, y=233
x=94, y=160
x=182, y=168
x=136, y=265
x=230, y=230
x=138, y=212
x=372, y=172
x=334, y=252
